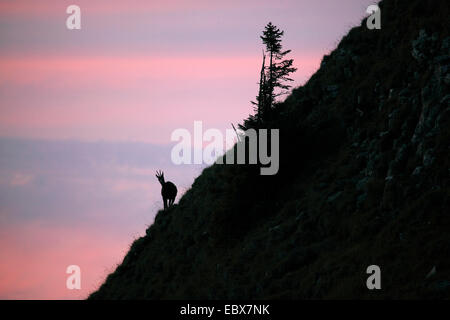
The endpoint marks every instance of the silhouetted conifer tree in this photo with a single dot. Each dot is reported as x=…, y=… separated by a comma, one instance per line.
x=261, y=99
x=279, y=69
x=272, y=77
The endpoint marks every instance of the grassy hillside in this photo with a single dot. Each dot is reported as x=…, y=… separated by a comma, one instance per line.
x=364, y=179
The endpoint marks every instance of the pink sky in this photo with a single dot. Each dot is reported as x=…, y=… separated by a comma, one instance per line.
x=136, y=71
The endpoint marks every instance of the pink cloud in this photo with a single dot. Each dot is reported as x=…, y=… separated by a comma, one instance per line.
x=119, y=97
x=20, y=179
x=35, y=257
x=99, y=7
x=119, y=72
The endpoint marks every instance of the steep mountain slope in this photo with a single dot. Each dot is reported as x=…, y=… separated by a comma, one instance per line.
x=364, y=179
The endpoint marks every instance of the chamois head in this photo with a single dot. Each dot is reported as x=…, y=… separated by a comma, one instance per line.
x=160, y=176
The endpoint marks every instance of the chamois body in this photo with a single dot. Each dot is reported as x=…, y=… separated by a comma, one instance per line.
x=168, y=190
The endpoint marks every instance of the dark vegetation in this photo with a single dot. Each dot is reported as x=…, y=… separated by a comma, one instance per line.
x=364, y=179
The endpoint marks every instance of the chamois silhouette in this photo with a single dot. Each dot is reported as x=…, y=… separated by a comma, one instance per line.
x=168, y=190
